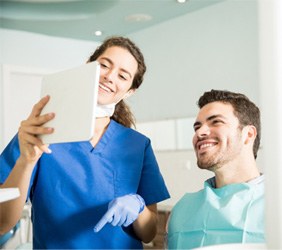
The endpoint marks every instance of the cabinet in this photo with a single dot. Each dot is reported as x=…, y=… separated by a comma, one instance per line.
x=159, y=241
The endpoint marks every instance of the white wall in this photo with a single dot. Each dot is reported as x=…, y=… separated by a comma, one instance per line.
x=25, y=57
x=216, y=48
x=40, y=51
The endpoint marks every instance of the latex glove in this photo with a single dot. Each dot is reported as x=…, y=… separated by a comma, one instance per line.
x=122, y=211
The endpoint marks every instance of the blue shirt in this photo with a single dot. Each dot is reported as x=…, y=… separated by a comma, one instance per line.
x=70, y=189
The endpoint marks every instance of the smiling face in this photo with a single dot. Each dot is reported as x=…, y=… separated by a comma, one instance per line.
x=118, y=68
x=218, y=138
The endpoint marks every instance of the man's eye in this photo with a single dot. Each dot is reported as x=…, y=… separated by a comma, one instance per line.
x=196, y=128
x=216, y=121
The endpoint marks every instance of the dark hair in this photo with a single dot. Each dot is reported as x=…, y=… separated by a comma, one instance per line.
x=122, y=112
x=245, y=110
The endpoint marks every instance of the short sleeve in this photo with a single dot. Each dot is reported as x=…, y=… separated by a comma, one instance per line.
x=152, y=185
x=8, y=160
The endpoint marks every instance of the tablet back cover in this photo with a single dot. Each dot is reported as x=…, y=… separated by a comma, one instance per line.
x=73, y=99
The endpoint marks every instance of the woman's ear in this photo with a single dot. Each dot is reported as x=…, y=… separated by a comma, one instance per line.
x=129, y=93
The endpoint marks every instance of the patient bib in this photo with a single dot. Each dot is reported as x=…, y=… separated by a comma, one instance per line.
x=231, y=214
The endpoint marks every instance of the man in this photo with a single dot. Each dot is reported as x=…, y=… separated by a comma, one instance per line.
x=230, y=208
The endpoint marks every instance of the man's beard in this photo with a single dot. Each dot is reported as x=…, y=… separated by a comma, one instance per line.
x=212, y=162
x=222, y=156
x=211, y=166
x=216, y=161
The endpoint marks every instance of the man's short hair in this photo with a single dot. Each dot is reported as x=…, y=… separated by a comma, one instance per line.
x=244, y=109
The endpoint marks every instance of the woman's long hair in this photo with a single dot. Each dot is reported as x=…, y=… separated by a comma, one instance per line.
x=123, y=114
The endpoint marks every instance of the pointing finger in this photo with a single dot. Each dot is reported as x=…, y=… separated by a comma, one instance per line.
x=107, y=218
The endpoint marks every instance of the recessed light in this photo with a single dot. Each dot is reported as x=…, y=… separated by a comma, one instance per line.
x=181, y=1
x=98, y=33
x=138, y=18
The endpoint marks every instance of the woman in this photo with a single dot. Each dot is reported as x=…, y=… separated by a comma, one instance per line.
x=110, y=183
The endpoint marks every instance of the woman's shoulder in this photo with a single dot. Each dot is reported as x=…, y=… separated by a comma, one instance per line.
x=126, y=130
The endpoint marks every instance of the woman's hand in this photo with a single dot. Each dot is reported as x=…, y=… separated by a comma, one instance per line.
x=31, y=146
x=122, y=211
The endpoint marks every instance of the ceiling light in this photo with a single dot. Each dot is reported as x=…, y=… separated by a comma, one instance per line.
x=181, y=1
x=98, y=33
x=138, y=18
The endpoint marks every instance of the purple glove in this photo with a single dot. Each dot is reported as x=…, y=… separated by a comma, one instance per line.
x=122, y=211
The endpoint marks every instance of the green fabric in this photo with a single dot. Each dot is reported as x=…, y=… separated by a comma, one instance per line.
x=231, y=214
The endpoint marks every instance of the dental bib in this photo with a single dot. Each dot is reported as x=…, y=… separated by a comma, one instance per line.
x=104, y=110
x=230, y=214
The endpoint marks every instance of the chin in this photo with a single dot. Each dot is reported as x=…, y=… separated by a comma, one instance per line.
x=206, y=165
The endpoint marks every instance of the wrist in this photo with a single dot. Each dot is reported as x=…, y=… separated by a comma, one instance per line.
x=141, y=202
x=23, y=162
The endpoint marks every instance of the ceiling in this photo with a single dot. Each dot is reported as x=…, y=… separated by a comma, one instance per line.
x=80, y=19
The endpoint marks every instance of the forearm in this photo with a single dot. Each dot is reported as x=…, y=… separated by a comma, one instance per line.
x=11, y=211
x=145, y=226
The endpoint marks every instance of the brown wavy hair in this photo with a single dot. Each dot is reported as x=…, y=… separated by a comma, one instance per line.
x=245, y=110
x=123, y=114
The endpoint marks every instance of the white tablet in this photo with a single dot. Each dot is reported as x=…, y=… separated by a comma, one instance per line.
x=7, y=194
x=73, y=99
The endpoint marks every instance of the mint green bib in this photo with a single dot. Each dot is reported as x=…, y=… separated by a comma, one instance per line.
x=231, y=214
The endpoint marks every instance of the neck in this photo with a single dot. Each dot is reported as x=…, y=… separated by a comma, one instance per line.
x=236, y=173
x=101, y=125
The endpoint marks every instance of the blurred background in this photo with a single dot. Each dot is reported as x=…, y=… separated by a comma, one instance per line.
x=189, y=46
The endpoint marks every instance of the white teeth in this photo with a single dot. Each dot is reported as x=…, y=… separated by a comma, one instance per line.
x=206, y=145
x=105, y=88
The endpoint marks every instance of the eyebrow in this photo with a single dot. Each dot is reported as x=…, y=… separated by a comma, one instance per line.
x=197, y=123
x=112, y=63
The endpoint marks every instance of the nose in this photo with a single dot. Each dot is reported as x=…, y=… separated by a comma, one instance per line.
x=108, y=76
x=203, y=131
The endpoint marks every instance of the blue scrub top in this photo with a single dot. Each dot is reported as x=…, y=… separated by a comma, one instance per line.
x=70, y=189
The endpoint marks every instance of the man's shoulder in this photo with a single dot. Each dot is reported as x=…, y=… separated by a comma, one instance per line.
x=258, y=180
x=197, y=194
x=191, y=197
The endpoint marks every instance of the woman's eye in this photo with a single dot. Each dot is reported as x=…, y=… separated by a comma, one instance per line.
x=123, y=77
x=103, y=65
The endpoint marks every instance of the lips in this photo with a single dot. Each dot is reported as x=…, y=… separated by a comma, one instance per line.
x=106, y=88
x=205, y=145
